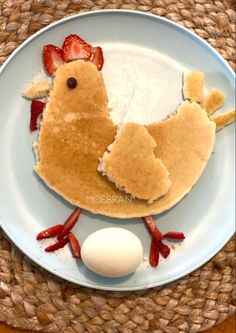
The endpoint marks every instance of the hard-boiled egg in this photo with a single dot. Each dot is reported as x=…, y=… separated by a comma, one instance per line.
x=112, y=252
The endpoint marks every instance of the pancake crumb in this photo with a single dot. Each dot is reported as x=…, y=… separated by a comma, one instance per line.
x=36, y=90
x=193, y=86
x=224, y=119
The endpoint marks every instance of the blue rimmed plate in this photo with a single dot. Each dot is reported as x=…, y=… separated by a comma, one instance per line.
x=145, y=56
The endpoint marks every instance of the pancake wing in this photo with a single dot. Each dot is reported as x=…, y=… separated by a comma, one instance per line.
x=132, y=165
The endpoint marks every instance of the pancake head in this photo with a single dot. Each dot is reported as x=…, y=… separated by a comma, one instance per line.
x=85, y=98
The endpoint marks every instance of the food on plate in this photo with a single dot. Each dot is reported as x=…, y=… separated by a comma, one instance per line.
x=148, y=168
x=152, y=228
x=163, y=249
x=174, y=235
x=36, y=110
x=157, y=246
x=130, y=163
x=76, y=130
x=184, y=143
x=224, y=119
x=64, y=235
x=73, y=48
x=213, y=101
x=69, y=223
x=69, y=152
x=154, y=252
x=75, y=246
x=52, y=58
x=193, y=85
x=38, y=89
x=87, y=98
x=112, y=252
x=50, y=232
x=97, y=57
x=58, y=245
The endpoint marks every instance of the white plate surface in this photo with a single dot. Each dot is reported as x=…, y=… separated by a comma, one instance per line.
x=144, y=59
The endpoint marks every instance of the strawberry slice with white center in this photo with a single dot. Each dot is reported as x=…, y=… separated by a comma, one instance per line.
x=75, y=48
x=97, y=57
x=52, y=57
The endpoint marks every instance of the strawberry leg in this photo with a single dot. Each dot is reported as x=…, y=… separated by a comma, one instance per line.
x=164, y=249
x=154, y=253
x=50, y=232
x=74, y=243
x=60, y=244
x=174, y=235
x=69, y=223
x=152, y=228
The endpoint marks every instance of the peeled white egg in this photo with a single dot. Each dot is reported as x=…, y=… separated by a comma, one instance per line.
x=112, y=252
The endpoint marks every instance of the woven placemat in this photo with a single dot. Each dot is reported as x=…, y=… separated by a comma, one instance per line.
x=30, y=297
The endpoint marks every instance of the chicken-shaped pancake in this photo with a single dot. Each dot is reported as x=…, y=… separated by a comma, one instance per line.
x=77, y=130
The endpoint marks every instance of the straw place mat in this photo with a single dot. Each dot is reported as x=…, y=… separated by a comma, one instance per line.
x=30, y=297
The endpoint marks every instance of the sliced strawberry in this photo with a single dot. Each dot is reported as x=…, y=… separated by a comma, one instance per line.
x=52, y=57
x=69, y=223
x=35, y=110
x=50, y=232
x=58, y=245
x=75, y=48
x=152, y=228
x=164, y=249
x=174, y=235
x=154, y=253
x=97, y=57
x=74, y=243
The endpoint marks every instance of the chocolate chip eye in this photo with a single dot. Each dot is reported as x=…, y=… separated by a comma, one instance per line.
x=71, y=83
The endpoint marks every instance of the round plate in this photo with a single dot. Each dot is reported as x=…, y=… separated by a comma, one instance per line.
x=145, y=56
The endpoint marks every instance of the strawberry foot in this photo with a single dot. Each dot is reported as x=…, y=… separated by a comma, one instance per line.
x=157, y=246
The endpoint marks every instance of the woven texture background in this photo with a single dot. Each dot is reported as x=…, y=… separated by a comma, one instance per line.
x=30, y=297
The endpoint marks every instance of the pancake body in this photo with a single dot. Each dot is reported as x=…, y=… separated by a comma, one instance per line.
x=76, y=131
x=130, y=163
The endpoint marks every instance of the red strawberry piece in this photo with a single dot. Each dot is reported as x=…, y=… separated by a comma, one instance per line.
x=69, y=223
x=60, y=244
x=164, y=249
x=152, y=228
x=52, y=57
x=36, y=109
x=154, y=253
x=75, y=48
x=50, y=232
x=174, y=235
x=97, y=57
x=74, y=243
